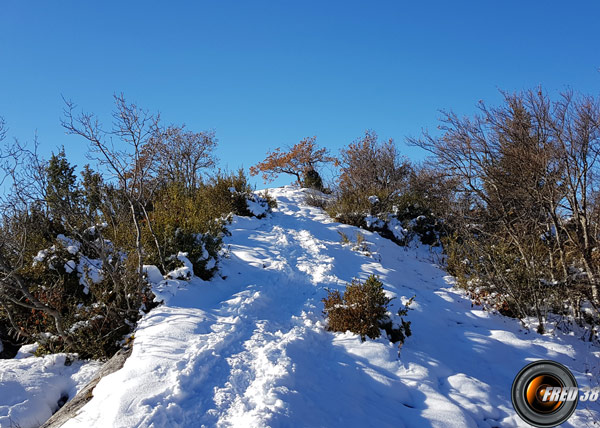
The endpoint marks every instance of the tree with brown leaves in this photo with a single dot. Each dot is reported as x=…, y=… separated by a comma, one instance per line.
x=298, y=161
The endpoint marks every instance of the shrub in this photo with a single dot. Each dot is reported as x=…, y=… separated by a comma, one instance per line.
x=187, y=222
x=271, y=201
x=72, y=253
x=313, y=180
x=99, y=328
x=344, y=238
x=402, y=331
x=382, y=192
x=230, y=193
x=68, y=275
x=362, y=309
x=359, y=245
x=496, y=277
x=348, y=210
x=410, y=218
x=372, y=175
x=315, y=198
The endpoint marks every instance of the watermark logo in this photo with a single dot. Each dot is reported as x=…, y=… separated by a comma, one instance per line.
x=545, y=394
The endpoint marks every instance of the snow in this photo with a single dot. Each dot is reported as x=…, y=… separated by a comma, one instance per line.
x=31, y=387
x=258, y=209
x=372, y=221
x=397, y=229
x=250, y=349
x=89, y=270
x=211, y=264
x=71, y=245
x=40, y=257
x=153, y=273
x=70, y=266
x=184, y=272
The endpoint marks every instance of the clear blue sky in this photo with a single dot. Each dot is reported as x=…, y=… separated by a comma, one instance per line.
x=266, y=74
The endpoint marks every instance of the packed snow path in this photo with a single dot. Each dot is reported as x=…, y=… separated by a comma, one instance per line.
x=250, y=349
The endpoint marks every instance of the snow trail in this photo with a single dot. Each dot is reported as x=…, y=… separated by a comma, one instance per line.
x=250, y=349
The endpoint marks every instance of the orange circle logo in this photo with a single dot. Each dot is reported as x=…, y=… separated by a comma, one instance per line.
x=545, y=394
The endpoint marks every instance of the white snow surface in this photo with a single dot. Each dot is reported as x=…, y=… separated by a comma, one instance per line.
x=259, y=208
x=153, y=273
x=250, y=348
x=184, y=272
x=31, y=387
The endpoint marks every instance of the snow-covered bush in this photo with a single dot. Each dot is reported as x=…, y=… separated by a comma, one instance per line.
x=63, y=282
x=400, y=331
x=74, y=296
x=409, y=219
x=115, y=304
x=255, y=205
x=406, y=221
x=381, y=191
x=230, y=193
x=362, y=309
x=377, y=190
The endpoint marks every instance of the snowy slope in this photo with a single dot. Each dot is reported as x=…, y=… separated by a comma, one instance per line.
x=30, y=387
x=250, y=349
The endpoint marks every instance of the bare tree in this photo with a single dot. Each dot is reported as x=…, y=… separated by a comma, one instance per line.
x=130, y=162
x=183, y=155
x=3, y=129
x=577, y=133
x=372, y=166
x=529, y=169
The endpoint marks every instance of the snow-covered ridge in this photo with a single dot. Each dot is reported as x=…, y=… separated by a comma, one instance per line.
x=250, y=349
